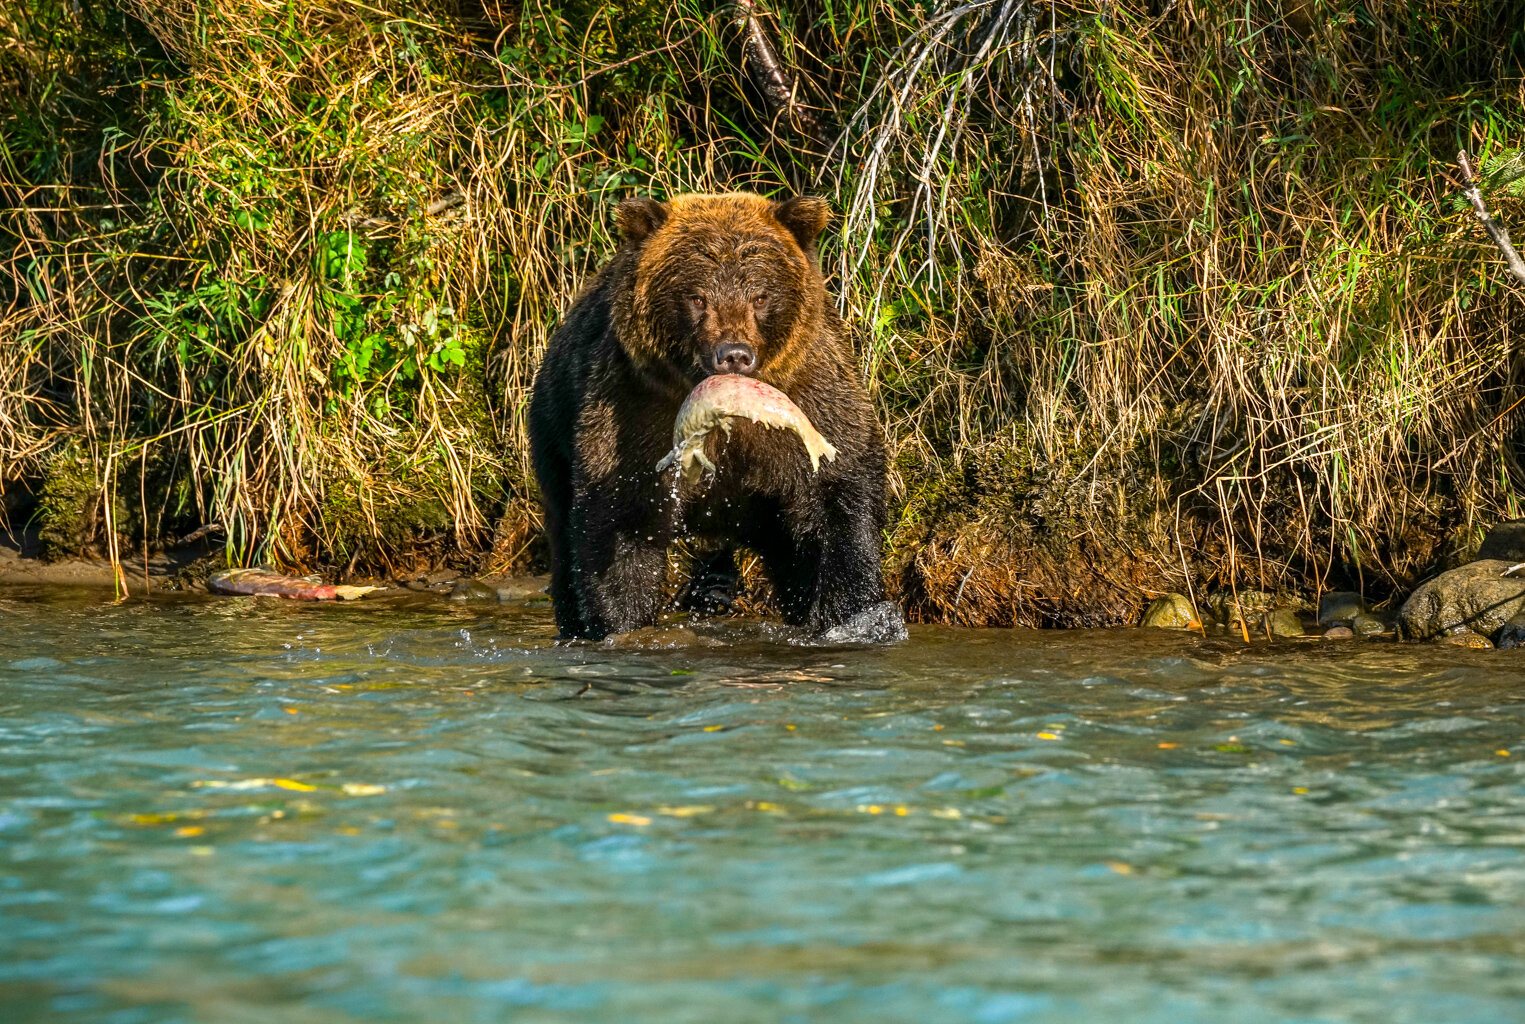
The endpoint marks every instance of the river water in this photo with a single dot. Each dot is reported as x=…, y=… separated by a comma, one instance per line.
x=254, y=810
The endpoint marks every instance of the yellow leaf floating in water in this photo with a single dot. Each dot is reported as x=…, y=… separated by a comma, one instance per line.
x=686, y=811
x=1119, y=867
x=294, y=785
x=348, y=788
x=186, y=831
x=152, y=819
x=1047, y=736
x=629, y=819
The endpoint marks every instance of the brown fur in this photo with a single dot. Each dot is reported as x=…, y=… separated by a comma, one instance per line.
x=691, y=276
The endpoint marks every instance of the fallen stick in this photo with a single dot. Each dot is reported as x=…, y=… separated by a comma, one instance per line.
x=1494, y=229
x=765, y=69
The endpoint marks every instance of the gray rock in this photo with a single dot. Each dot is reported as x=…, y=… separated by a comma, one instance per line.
x=1173, y=611
x=1473, y=597
x=1367, y=625
x=1282, y=622
x=1505, y=541
x=1510, y=634
x=1339, y=606
x=472, y=590
x=523, y=589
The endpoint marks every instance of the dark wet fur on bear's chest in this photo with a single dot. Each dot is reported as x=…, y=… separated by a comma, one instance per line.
x=667, y=310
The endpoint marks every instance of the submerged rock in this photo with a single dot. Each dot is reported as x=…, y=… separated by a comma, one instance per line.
x=1366, y=624
x=1339, y=607
x=1172, y=611
x=1339, y=633
x=1474, y=597
x=1506, y=541
x=1466, y=638
x=1282, y=622
x=523, y=588
x=473, y=590
x=1511, y=634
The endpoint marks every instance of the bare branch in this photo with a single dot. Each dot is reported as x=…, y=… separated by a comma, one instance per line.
x=765, y=69
x=1495, y=230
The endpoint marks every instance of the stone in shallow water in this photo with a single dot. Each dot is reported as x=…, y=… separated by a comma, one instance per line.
x=1282, y=622
x=1339, y=606
x=1339, y=633
x=1367, y=625
x=473, y=590
x=1510, y=634
x=1474, y=597
x=1466, y=638
x=1172, y=611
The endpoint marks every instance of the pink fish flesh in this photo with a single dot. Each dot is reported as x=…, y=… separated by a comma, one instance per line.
x=720, y=398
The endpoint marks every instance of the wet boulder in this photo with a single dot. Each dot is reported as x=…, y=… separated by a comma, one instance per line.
x=1466, y=638
x=1476, y=597
x=1172, y=611
x=473, y=590
x=1366, y=624
x=1282, y=622
x=1339, y=607
x=1511, y=634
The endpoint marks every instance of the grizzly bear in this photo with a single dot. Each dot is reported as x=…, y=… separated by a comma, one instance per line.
x=699, y=285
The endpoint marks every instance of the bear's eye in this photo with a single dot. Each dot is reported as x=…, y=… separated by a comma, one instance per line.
x=697, y=301
x=759, y=301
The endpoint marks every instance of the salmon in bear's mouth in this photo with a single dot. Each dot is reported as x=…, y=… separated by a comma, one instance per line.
x=720, y=398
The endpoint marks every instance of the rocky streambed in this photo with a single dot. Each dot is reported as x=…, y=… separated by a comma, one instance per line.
x=1480, y=604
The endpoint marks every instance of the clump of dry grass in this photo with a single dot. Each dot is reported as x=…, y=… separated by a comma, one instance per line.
x=1148, y=295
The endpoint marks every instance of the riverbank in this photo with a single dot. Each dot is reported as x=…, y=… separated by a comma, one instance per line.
x=1197, y=306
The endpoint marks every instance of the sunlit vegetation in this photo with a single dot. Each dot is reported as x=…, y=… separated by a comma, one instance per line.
x=1146, y=291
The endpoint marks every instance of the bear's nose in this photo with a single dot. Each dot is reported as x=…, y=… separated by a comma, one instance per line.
x=734, y=357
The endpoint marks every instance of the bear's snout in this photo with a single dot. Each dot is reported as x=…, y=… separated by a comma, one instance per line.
x=734, y=357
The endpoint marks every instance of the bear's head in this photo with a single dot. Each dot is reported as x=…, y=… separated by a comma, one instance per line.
x=721, y=284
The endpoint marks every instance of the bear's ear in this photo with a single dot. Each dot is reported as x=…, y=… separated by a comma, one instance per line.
x=805, y=217
x=639, y=217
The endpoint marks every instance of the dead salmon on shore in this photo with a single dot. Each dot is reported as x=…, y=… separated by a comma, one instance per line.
x=264, y=583
x=725, y=396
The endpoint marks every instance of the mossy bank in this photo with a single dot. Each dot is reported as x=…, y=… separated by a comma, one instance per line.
x=1151, y=297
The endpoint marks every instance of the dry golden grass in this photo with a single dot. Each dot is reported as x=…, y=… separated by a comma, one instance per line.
x=1150, y=295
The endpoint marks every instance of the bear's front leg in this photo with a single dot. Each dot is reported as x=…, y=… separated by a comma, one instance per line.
x=618, y=572
x=825, y=565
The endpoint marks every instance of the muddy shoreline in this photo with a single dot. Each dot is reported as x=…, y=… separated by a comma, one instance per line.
x=1478, y=604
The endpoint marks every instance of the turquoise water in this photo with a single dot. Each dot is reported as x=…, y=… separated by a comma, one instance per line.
x=250, y=810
